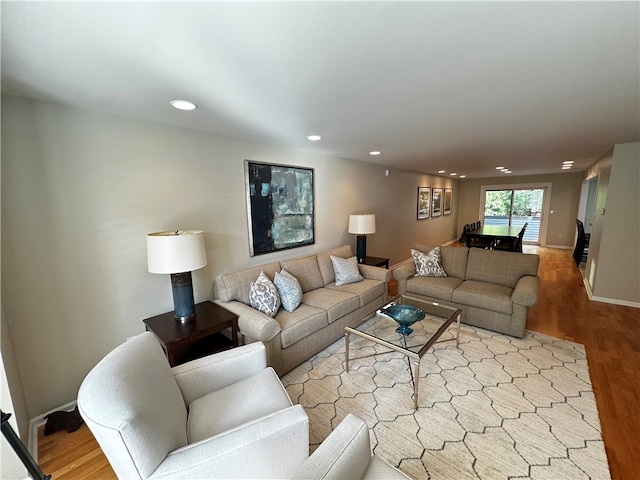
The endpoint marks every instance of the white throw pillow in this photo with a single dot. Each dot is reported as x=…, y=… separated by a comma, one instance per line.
x=289, y=289
x=263, y=295
x=428, y=264
x=346, y=270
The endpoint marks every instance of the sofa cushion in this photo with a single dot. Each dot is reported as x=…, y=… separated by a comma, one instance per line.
x=500, y=268
x=337, y=303
x=346, y=270
x=325, y=264
x=435, y=287
x=304, y=321
x=289, y=290
x=306, y=270
x=236, y=285
x=428, y=264
x=487, y=296
x=242, y=402
x=263, y=295
x=454, y=259
x=366, y=290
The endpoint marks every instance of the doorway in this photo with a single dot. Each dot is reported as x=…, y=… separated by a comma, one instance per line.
x=515, y=205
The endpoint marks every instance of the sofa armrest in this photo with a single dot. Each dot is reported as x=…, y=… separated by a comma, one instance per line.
x=402, y=274
x=213, y=372
x=526, y=291
x=251, y=322
x=374, y=273
x=270, y=447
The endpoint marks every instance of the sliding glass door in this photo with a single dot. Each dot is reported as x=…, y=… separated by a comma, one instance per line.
x=515, y=206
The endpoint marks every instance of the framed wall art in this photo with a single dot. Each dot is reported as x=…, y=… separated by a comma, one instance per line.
x=436, y=202
x=448, y=201
x=280, y=207
x=424, y=202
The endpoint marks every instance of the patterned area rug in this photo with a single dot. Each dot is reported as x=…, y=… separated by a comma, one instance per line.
x=497, y=407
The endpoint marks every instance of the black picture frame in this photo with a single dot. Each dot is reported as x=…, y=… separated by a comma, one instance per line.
x=447, y=206
x=424, y=203
x=436, y=202
x=280, y=206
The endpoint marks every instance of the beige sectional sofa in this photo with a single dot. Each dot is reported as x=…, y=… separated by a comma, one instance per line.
x=493, y=288
x=292, y=337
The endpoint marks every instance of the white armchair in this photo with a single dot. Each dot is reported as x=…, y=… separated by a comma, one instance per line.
x=223, y=416
x=346, y=454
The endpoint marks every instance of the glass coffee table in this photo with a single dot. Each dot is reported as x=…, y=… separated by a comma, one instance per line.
x=381, y=329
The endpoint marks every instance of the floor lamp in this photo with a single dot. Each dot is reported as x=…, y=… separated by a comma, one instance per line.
x=362, y=225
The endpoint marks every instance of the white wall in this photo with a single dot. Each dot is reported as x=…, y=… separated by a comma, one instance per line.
x=81, y=189
x=617, y=273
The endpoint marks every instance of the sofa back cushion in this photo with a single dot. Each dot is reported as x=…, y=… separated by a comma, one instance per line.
x=325, y=264
x=500, y=268
x=236, y=285
x=306, y=270
x=454, y=259
x=133, y=406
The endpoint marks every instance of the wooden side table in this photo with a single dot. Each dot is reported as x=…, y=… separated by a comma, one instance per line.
x=376, y=262
x=197, y=337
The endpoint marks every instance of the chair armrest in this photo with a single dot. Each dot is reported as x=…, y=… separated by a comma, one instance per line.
x=213, y=372
x=345, y=453
x=251, y=322
x=270, y=447
x=375, y=273
x=526, y=291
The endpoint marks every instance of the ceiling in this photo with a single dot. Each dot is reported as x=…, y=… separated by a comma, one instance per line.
x=455, y=86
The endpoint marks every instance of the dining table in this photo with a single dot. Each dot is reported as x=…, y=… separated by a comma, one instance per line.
x=493, y=234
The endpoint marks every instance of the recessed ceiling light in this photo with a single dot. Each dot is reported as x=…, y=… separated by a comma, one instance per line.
x=314, y=138
x=566, y=167
x=507, y=171
x=375, y=152
x=183, y=105
x=453, y=174
x=499, y=168
x=462, y=176
x=441, y=171
x=504, y=170
x=568, y=162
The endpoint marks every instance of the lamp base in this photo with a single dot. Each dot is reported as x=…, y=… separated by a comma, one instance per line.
x=182, y=289
x=361, y=247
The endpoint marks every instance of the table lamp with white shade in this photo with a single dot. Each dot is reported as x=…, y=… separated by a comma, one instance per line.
x=178, y=253
x=362, y=225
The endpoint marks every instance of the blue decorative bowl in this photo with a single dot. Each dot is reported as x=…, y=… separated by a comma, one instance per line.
x=404, y=315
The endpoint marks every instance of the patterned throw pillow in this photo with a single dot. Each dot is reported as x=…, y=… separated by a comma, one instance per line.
x=263, y=295
x=346, y=270
x=289, y=289
x=428, y=264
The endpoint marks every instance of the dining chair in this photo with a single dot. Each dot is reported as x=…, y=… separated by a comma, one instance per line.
x=477, y=242
x=514, y=245
x=581, y=249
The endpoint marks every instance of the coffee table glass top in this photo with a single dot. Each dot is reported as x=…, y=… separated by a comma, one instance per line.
x=382, y=328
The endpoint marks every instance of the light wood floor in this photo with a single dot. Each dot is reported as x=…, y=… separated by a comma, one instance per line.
x=610, y=333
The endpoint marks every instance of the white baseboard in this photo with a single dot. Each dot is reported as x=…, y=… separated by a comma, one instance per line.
x=561, y=247
x=613, y=301
x=37, y=422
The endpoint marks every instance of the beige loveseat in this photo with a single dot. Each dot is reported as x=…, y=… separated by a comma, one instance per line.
x=293, y=337
x=493, y=288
